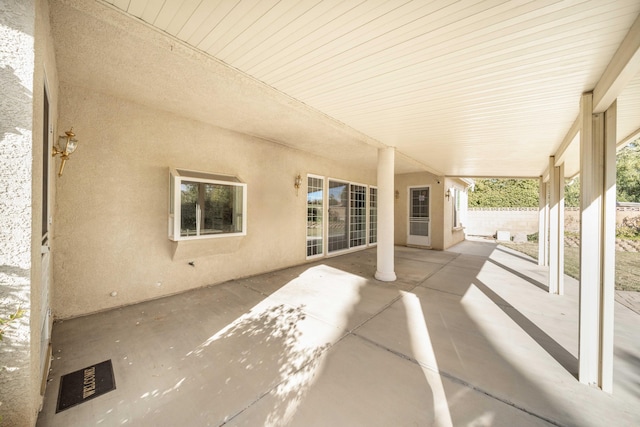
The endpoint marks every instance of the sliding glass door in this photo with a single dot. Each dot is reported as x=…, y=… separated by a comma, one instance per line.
x=338, y=215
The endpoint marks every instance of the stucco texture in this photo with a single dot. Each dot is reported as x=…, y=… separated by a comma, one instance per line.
x=26, y=51
x=17, y=22
x=443, y=234
x=436, y=195
x=112, y=204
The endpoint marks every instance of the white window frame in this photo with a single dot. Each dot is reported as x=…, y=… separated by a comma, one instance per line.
x=176, y=177
x=328, y=206
x=324, y=217
x=369, y=224
x=417, y=240
x=456, y=219
x=364, y=238
x=326, y=221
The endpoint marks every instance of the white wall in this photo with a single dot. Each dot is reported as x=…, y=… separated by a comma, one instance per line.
x=111, y=208
x=486, y=221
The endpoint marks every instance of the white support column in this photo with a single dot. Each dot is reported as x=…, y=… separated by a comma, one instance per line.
x=543, y=212
x=385, y=251
x=556, y=227
x=597, y=244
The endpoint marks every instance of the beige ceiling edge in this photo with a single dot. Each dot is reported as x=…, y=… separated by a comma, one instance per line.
x=274, y=116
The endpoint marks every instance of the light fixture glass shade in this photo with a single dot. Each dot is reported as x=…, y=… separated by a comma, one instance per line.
x=62, y=142
x=71, y=146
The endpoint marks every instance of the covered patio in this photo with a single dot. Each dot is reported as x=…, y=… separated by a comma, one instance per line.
x=469, y=336
x=219, y=142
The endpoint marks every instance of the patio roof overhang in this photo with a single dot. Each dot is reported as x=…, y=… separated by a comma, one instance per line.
x=458, y=88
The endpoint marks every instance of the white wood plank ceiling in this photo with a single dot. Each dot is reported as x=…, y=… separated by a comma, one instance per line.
x=469, y=88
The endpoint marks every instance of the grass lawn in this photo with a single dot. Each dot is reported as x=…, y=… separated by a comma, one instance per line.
x=627, y=264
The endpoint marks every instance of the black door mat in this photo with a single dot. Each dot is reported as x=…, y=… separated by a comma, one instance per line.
x=85, y=384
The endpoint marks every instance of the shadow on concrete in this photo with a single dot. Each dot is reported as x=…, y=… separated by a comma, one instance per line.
x=274, y=350
x=515, y=253
x=520, y=275
x=555, y=350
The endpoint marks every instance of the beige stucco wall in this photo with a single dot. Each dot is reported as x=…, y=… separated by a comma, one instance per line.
x=443, y=234
x=402, y=184
x=111, y=207
x=26, y=51
x=451, y=235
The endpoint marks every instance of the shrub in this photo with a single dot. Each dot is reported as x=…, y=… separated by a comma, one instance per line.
x=629, y=229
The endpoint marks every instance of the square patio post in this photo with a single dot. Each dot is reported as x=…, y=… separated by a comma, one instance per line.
x=556, y=227
x=543, y=224
x=597, y=243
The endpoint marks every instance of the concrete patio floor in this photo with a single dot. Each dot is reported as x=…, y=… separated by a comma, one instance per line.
x=465, y=337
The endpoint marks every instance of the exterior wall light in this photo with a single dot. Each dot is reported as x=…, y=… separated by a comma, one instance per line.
x=297, y=183
x=66, y=145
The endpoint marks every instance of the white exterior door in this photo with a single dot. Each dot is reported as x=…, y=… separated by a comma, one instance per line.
x=419, y=230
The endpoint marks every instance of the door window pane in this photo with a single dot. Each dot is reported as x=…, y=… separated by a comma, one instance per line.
x=373, y=215
x=420, y=202
x=315, y=208
x=419, y=208
x=358, y=215
x=45, y=166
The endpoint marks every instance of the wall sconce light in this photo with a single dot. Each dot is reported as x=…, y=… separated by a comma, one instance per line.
x=448, y=193
x=66, y=145
x=297, y=183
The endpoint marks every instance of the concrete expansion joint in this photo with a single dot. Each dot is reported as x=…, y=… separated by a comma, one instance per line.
x=459, y=381
x=275, y=386
x=435, y=271
x=389, y=304
x=255, y=290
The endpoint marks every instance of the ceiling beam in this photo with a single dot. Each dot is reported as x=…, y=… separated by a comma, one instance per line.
x=623, y=67
x=566, y=142
x=629, y=138
x=491, y=177
x=545, y=175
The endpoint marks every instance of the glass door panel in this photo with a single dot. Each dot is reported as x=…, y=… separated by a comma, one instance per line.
x=358, y=216
x=338, y=215
x=315, y=208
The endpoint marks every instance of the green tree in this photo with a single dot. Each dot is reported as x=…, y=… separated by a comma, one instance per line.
x=627, y=178
x=572, y=193
x=504, y=193
x=628, y=173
